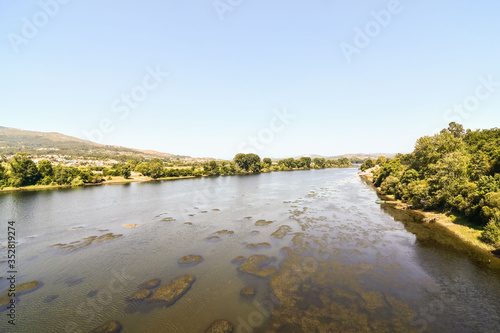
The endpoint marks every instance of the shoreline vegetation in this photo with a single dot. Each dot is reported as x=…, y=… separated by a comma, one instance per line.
x=43, y=175
x=463, y=231
x=451, y=180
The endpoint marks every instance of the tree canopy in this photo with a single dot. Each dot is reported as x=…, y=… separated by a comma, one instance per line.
x=248, y=162
x=455, y=170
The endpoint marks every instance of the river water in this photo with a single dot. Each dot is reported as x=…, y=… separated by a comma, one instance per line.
x=342, y=263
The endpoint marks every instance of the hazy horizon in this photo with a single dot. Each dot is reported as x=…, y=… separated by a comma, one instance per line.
x=220, y=158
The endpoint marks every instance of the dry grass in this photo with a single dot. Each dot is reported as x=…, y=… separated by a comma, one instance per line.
x=463, y=229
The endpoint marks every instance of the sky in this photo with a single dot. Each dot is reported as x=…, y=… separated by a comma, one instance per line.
x=278, y=78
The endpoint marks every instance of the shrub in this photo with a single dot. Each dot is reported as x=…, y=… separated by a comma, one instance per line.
x=367, y=165
x=77, y=181
x=418, y=194
x=389, y=185
x=490, y=205
x=409, y=176
x=491, y=232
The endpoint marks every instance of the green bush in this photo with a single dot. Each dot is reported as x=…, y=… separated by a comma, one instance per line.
x=77, y=181
x=409, y=176
x=391, y=168
x=367, y=165
x=491, y=233
x=418, y=194
x=490, y=205
x=389, y=185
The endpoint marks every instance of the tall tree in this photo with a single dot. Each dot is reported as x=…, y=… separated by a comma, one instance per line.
x=305, y=162
x=3, y=175
x=253, y=161
x=156, y=168
x=126, y=171
x=319, y=162
x=24, y=170
x=45, y=169
x=142, y=168
x=457, y=130
x=248, y=162
x=381, y=160
x=241, y=161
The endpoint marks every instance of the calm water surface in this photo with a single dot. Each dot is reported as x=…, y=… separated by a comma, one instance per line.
x=344, y=265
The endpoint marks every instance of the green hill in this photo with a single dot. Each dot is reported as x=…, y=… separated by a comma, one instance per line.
x=14, y=141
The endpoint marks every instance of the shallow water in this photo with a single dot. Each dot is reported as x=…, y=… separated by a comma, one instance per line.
x=350, y=266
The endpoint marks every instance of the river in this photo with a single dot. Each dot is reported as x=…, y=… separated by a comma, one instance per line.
x=341, y=262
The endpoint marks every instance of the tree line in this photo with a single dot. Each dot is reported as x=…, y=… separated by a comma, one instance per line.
x=21, y=170
x=454, y=171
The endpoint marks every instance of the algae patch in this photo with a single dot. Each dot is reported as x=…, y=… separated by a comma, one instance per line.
x=248, y=292
x=87, y=241
x=238, y=260
x=191, y=259
x=110, y=327
x=225, y=232
x=282, y=232
x=256, y=246
x=220, y=326
x=139, y=295
x=169, y=294
x=262, y=223
x=257, y=265
x=151, y=284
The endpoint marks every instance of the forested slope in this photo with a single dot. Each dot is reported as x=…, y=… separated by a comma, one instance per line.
x=455, y=170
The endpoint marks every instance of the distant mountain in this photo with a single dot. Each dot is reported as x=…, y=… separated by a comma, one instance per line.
x=14, y=141
x=361, y=156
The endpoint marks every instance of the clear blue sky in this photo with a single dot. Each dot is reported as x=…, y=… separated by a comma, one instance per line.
x=227, y=77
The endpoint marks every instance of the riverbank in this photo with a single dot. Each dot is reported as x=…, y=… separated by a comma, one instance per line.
x=135, y=179
x=459, y=228
x=113, y=181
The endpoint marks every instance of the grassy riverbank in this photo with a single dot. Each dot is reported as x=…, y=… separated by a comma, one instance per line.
x=459, y=227
x=113, y=181
x=22, y=173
